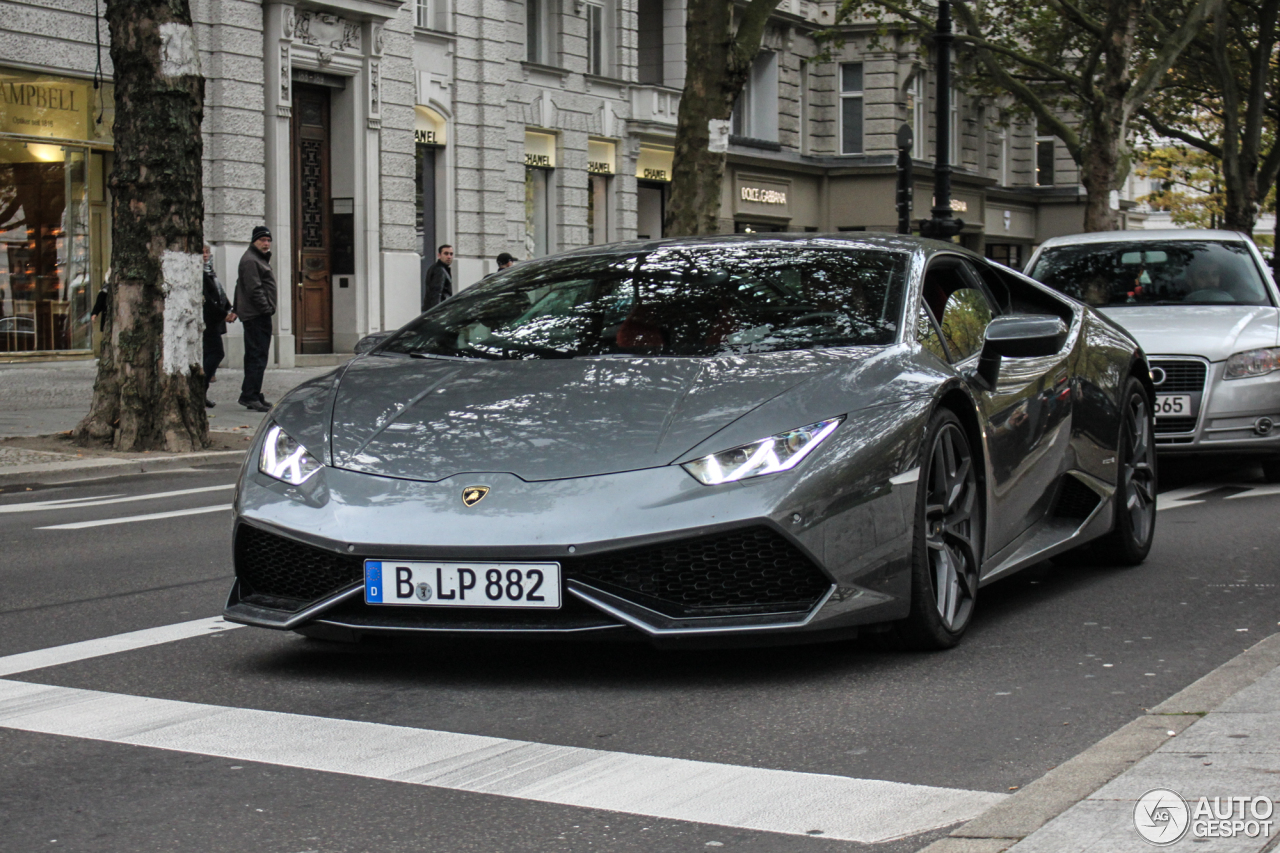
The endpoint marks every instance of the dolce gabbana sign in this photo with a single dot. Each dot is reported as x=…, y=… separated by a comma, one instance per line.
x=762, y=196
x=53, y=107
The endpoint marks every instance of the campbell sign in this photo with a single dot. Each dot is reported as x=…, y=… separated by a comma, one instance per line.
x=53, y=107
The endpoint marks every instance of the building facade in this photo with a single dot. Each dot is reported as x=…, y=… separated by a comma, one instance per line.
x=366, y=133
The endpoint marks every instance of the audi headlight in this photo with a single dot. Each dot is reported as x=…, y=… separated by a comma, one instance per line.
x=780, y=452
x=285, y=460
x=1255, y=362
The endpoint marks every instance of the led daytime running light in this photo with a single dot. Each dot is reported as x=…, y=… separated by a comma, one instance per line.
x=284, y=459
x=780, y=452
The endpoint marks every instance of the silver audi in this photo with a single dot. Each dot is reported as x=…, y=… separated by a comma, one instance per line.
x=1203, y=305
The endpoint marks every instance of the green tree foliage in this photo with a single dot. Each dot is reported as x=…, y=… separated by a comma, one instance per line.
x=1075, y=65
x=1191, y=185
x=1223, y=99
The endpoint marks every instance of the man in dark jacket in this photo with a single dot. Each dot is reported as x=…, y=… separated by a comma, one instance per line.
x=255, y=304
x=437, y=281
x=217, y=313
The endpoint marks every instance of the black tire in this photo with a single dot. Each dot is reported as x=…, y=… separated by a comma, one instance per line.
x=947, y=546
x=1134, y=502
x=1271, y=469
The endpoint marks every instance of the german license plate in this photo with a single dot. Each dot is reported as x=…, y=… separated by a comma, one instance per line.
x=1173, y=406
x=426, y=584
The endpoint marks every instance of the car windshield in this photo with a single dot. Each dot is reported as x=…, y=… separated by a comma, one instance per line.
x=671, y=301
x=1153, y=272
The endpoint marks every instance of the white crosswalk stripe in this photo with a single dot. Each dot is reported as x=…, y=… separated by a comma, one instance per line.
x=104, y=500
x=781, y=801
x=128, y=519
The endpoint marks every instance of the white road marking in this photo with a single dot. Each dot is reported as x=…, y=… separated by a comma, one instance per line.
x=77, y=503
x=72, y=652
x=862, y=810
x=1256, y=492
x=102, y=522
x=1178, y=497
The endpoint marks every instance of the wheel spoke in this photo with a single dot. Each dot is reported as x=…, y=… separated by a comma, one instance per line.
x=950, y=535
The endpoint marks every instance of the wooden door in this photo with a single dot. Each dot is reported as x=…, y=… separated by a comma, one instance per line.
x=312, y=290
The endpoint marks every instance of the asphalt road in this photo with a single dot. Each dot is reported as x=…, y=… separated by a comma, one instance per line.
x=1059, y=656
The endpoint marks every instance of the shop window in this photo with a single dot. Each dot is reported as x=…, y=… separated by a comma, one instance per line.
x=651, y=210
x=1044, y=161
x=598, y=209
x=755, y=115
x=537, y=213
x=45, y=287
x=650, y=43
x=1009, y=254
x=851, y=108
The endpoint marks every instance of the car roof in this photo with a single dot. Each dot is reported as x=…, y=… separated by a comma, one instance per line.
x=1163, y=234
x=846, y=239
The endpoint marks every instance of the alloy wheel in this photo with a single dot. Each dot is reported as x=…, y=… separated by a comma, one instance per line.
x=949, y=527
x=1137, y=479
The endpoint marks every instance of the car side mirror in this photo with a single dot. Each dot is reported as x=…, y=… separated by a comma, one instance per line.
x=368, y=342
x=1018, y=336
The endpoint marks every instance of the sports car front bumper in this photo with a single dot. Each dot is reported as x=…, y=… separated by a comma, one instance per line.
x=649, y=554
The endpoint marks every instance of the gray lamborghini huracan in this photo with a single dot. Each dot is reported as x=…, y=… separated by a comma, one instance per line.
x=764, y=438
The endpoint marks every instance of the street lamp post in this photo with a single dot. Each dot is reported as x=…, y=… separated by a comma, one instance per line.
x=942, y=225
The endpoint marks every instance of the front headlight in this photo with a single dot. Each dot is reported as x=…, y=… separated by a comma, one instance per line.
x=780, y=452
x=284, y=459
x=1255, y=362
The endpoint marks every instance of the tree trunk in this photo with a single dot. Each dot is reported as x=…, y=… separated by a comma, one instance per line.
x=717, y=64
x=150, y=389
x=697, y=173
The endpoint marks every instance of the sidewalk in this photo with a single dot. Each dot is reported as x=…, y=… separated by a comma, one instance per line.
x=46, y=397
x=1217, y=739
x=41, y=400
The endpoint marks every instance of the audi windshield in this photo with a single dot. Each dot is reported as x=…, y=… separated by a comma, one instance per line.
x=1152, y=272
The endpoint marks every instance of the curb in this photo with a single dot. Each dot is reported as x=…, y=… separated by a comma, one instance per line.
x=1007, y=823
x=49, y=473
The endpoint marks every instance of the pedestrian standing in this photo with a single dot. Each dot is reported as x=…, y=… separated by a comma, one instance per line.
x=437, y=281
x=102, y=304
x=255, y=304
x=505, y=260
x=217, y=314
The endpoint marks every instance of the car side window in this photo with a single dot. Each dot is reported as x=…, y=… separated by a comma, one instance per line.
x=964, y=321
x=927, y=334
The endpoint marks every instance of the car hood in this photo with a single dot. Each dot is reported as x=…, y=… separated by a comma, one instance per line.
x=428, y=419
x=1212, y=331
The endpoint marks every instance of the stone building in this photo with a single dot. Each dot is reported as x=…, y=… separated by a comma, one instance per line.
x=365, y=133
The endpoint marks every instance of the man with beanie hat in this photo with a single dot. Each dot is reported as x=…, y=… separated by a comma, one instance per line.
x=255, y=304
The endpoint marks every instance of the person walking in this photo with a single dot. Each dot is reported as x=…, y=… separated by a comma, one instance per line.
x=255, y=303
x=437, y=281
x=217, y=314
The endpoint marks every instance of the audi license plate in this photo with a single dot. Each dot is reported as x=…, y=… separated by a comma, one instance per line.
x=1173, y=406
x=462, y=584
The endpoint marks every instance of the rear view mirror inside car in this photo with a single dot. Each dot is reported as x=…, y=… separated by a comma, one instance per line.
x=1144, y=258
